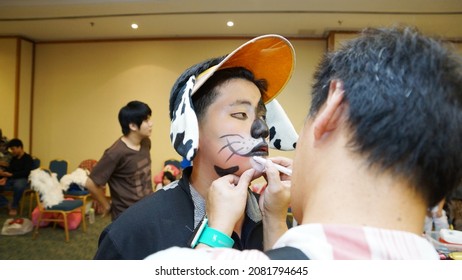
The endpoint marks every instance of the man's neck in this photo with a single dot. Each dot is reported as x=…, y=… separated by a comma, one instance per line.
x=358, y=196
x=20, y=154
x=132, y=141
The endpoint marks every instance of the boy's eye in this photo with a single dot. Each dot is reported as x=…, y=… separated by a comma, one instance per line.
x=240, y=115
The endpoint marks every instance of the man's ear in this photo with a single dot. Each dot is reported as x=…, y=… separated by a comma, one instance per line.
x=133, y=127
x=329, y=115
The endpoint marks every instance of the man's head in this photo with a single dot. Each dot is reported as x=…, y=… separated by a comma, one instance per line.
x=402, y=101
x=16, y=147
x=132, y=117
x=224, y=99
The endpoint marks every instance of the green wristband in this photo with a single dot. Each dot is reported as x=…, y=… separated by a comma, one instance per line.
x=215, y=238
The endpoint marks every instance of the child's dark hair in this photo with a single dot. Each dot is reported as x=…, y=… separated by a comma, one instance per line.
x=169, y=176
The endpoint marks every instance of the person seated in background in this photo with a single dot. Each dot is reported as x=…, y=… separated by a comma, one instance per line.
x=126, y=165
x=16, y=175
x=167, y=178
x=380, y=145
x=218, y=121
x=173, y=174
x=436, y=218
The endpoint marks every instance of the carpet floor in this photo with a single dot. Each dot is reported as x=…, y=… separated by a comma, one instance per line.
x=50, y=243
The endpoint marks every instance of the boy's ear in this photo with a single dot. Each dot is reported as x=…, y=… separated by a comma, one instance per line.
x=133, y=127
x=329, y=115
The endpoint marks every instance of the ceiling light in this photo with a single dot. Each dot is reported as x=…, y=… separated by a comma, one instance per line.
x=134, y=26
x=230, y=24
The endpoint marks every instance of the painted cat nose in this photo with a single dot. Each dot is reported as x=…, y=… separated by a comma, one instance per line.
x=259, y=129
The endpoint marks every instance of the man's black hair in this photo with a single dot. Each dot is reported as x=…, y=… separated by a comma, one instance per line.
x=15, y=143
x=404, y=94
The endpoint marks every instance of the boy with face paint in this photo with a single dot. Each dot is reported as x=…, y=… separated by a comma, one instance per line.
x=218, y=121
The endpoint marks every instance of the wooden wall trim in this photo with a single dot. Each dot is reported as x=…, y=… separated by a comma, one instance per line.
x=17, y=87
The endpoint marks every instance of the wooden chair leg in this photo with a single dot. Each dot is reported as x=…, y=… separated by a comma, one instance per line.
x=66, y=227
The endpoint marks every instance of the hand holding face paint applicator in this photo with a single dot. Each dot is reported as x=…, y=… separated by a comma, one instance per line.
x=258, y=163
x=274, y=197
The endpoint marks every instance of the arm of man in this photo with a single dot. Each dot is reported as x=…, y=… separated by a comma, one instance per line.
x=98, y=194
x=274, y=202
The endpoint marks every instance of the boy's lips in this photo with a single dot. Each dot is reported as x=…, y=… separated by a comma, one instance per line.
x=259, y=150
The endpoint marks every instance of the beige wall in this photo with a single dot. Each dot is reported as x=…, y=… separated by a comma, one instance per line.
x=7, y=85
x=80, y=87
x=15, y=88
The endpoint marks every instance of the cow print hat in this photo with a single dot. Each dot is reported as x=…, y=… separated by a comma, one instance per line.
x=269, y=57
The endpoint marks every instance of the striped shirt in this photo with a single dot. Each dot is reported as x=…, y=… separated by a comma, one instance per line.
x=327, y=242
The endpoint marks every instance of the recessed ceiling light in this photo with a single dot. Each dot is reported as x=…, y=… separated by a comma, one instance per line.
x=230, y=24
x=134, y=26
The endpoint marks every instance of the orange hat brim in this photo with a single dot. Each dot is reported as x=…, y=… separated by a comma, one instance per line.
x=270, y=57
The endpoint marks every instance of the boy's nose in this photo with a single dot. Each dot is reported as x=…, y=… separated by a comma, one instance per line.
x=259, y=129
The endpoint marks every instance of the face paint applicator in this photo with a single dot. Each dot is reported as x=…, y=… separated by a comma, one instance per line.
x=258, y=163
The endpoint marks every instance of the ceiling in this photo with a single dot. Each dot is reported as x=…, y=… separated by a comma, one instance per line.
x=63, y=20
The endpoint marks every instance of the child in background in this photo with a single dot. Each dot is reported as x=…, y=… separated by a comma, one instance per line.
x=168, y=174
x=436, y=217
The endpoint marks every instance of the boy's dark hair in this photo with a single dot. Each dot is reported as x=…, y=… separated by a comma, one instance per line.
x=206, y=94
x=15, y=143
x=134, y=112
x=404, y=96
x=180, y=83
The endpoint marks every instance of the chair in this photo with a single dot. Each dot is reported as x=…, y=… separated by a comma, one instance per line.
x=29, y=192
x=35, y=163
x=62, y=209
x=77, y=193
x=58, y=166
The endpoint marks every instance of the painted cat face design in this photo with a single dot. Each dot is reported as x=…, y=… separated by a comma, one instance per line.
x=234, y=128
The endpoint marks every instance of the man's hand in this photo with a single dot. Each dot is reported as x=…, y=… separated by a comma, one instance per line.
x=98, y=193
x=275, y=196
x=107, y=210
x=274, y=201
x=226, y=201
